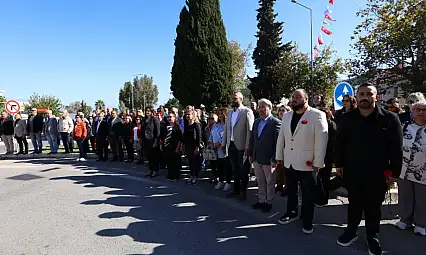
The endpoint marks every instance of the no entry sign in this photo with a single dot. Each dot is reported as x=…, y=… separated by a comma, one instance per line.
x=13, y=107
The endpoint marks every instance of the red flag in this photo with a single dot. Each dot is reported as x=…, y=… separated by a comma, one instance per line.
x=320, y=41
x=325, y=30
x=329, y=18
x=331, y=2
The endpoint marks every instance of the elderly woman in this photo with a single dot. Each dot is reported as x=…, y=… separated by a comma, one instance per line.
x=411, y=99
x=412, y=183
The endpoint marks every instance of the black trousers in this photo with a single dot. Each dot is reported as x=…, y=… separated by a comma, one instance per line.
x=81, y=148
x=22, y=142
x=365, y=196
x=240, y=169
x=194, y=164
x=129, y=148
x=224, y=170
x=308, y=187
x=117, y=148
x=174, y=163
x=102, y=148
x=323, y=185
x=214, y=166
x=66, y=141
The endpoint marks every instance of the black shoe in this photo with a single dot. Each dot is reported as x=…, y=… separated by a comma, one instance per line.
x=347, y=238
x=266, y=208
x=19, y=153
x=242, y=197
x=284, y=193
x=258, y=205
x=114, y=160
x=154, y=174
x=105, y=160
x=140, y=162
x=129, y=161
x=308, y=228
x=98, y=160
x=288, y=218
x=26, y=152
x=374, y=247
x=149, y=174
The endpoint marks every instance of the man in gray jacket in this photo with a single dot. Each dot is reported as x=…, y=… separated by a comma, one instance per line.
x=51, y=131
x=263, y=144
x=236, y=138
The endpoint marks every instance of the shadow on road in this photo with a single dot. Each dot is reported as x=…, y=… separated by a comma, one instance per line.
x=171, y=217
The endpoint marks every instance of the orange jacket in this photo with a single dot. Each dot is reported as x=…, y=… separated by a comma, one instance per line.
x=80, y=130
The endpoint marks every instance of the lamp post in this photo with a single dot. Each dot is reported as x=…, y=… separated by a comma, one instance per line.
x=312, y=46
x=135, y=75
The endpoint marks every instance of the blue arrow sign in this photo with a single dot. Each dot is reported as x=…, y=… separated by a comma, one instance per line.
x=340, y=91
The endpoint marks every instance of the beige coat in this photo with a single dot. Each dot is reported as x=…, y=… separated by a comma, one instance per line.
x=307, y=146
x=242, y=128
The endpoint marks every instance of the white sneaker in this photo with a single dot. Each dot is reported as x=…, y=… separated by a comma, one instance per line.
x=219, y=185
x=77, y=159
x=420, y=231
x=82, y=159
x=401, y=225
x=227, y=187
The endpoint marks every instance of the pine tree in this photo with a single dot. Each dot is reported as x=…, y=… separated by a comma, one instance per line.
x=201, y=72
x=267, y=53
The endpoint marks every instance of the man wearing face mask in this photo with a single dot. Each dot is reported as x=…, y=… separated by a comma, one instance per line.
x=368, y=154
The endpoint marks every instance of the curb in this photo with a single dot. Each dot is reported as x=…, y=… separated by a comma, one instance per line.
x=46, y=156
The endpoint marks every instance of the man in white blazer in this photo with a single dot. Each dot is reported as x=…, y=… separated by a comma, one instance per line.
x=236, y=137
x=301, y=147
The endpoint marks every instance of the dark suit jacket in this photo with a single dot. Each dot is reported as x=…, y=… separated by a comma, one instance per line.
x=263, y=147
x=103, y=130
x=6, y=126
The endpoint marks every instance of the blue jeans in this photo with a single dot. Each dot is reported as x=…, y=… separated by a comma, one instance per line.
x=53, y=142
x=36, y=141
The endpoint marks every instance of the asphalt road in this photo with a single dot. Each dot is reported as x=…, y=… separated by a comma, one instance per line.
x=65, y=207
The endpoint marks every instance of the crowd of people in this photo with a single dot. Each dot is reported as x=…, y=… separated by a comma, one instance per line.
x=287, y=147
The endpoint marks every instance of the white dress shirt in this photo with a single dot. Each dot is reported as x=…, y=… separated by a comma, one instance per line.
x=233, y=122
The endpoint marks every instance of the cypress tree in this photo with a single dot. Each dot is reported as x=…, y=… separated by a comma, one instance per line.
x=269, y=49
x=201, y=72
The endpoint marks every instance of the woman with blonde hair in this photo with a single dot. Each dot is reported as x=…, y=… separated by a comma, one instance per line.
x=193, y=145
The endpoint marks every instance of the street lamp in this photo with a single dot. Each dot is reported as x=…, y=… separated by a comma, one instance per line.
x=312, y=46
x=135, y=75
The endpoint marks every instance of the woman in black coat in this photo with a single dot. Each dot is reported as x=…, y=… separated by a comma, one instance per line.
x=349, y=103
x=324, y=175
x=172, y=138
x=150, y=133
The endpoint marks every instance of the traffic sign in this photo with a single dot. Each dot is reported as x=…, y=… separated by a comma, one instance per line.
x=13, y=107
x=340, y=91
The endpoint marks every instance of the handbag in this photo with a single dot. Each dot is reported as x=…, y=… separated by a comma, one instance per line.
x=209, y=153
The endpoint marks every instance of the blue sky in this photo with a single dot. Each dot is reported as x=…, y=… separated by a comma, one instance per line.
x=87, y=49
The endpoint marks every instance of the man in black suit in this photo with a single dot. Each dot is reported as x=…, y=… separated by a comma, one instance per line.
x=101, y=134
x=263, y=144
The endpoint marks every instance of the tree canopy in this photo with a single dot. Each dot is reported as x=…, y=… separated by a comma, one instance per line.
x=293, y=72
x=392, y=36
x=42, y=101
x=2, y=103
x=201, y=72
x=99, y=104
x=173, y=102
x=239, y=64
x=267, y=53
x=145, y=93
